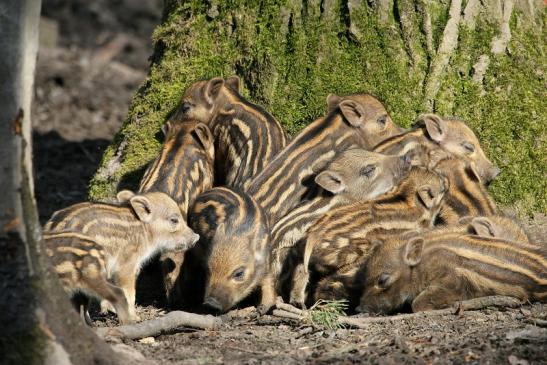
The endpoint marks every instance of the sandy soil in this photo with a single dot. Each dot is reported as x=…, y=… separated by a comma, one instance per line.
x=85, y=81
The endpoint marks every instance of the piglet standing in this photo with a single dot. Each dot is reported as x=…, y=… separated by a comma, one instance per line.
x=125, y=237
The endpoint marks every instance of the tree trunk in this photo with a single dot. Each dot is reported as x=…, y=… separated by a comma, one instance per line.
x=481, y=60
x=38, y=323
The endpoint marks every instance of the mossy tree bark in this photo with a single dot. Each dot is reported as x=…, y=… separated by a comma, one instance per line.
x=37, y=321
x=481, y=60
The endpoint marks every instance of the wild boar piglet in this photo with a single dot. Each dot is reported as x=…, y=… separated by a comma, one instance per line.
x=183, y=169
x=231, y=259
x=130, y=233
x=247, y=137
x=441, y=137
x=432, y=271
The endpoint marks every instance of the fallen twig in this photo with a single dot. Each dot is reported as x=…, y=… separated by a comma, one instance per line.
x=289, y=308
x=456, y=308
x=288, y=311
x=285, y=314
x=155, y=327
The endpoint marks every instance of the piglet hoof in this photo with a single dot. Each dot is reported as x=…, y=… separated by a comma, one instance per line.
x=134, y=317
x=298, y=303
x=107, y=307
x=264, y=309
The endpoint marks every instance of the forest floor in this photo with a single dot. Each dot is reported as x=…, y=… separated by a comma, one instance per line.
x=93, y=57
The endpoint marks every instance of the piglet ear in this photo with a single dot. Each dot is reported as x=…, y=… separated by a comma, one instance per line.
x=427, y=196
x=472, y=173
x=205, y=138
x=166, y=128
x=482, y=226
x=142, y=207
x=330, y=181
x=353, y=112
x=124, y=196
x=212, y=89
x=436, y=126
x=233, y=82
x=413, y=251
x=333, y=101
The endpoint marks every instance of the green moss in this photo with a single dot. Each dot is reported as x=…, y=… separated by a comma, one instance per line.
x=291, y=57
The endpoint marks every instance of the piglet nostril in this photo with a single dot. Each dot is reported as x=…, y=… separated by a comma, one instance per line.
x=212, y=304
x=494, y=173
x=185, y=107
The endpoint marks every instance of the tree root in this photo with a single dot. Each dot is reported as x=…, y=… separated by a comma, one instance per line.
x=426, y=28
x=479, y=69
x=446, y=48
x=155, y=327
x=405, y=9
x=288, y=311
x=470, y=13
x=499, y=43
x=384, y=8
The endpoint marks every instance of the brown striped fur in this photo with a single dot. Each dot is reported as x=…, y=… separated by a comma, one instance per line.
x=432, y=271
x=497, y=226
x=347, y=283
x=232, y=257
x=183, y=170
x=355, y=175
x=344, y=235
x=81, y=264
x=440, y=138
x=466, y=195
x=247, y=137
x=137, y=229
x=357, y=120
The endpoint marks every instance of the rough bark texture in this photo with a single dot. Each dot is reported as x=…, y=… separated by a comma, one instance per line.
x=483, y=61
x=37, y=321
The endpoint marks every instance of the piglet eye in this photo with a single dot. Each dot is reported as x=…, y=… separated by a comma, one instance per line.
x=239, y=274
x=469, y=147
x=382, y=120
x=382, y=280
x=367, y=170
x=174, y=220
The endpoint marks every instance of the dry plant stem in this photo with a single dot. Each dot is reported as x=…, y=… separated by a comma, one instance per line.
x=155, y=327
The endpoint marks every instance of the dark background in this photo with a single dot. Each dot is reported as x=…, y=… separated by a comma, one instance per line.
x=93, y=55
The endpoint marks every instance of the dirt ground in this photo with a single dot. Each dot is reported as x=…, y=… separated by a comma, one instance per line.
x=94, y=54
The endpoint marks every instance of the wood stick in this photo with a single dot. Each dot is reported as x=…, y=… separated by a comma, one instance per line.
x=289, y=308
x=155, y=327
x=288, y=311
x=466, y=305
x=286, y=314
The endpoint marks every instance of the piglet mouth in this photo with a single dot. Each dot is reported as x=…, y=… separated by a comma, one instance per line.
x=212, y=305
x=363, y=309
x=191, y=242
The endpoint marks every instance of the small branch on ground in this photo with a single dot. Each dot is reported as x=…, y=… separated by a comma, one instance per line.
x=157, y=326
x=291, y=312
x=285, y=314
x=289, y=308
